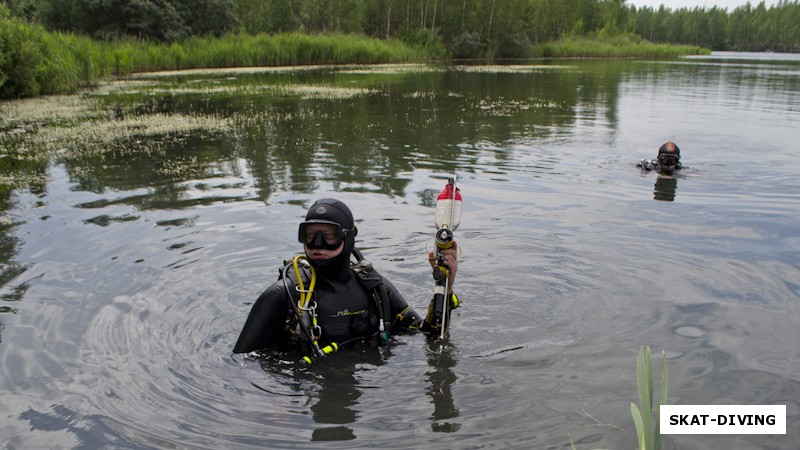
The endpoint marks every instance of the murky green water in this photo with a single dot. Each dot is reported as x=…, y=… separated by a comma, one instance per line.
x=139, y=221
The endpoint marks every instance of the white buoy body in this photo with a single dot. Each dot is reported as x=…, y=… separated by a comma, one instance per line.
x=448, y=208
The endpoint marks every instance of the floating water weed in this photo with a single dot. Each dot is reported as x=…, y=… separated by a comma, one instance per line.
x=175, y=168
x=167, y=89
x=512, y=107
x=99, y=137
x=521, y=68
x=122, y=86
x=34, y=131
x=393, y=69
x=23, y=179
x=51, y=109
x=323, y=92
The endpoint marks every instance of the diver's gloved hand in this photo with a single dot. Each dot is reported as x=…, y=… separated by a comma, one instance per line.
x=646, y=165
x=450, y=261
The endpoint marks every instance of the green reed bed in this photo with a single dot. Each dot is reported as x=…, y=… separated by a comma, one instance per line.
x=241, y=50
x=622, y=46
x=34, y=61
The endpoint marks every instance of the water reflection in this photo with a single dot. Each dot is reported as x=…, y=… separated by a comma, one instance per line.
x=335, y=386
x=365, y=141
x=441, y=378
x=337, y=402
x=665, y=188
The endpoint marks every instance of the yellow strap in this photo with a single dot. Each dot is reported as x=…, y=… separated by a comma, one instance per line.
x=305, y=296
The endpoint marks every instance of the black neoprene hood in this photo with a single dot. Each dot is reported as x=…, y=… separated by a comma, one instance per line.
x=332, y=210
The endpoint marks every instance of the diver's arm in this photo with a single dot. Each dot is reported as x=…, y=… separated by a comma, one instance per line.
x=266, y=322
x=404, y=317
x=647, y=165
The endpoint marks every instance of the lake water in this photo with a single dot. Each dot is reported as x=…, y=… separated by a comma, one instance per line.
x=139, y=221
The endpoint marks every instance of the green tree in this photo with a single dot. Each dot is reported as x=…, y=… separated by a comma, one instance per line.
x=157, y=20
x=108, y=19
x=208, y=17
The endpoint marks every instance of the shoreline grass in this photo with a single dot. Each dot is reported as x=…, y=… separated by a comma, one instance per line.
x=44, y=63
x=620, y=46
x=34, y=61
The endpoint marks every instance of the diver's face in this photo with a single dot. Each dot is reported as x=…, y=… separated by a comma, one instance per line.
x=668, y=162
x=320, y=241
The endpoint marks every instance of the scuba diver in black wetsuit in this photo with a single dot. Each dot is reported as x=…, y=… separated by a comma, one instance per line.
x=323, y=301
x=667, y=164
x=668, y=161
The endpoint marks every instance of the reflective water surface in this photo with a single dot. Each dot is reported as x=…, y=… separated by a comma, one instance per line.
x=139, y=221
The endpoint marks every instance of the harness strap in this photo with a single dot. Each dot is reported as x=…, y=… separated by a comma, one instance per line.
x=369, y=280
x=372, y=282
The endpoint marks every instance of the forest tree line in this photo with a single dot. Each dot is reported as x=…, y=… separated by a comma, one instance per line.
x=466, y=28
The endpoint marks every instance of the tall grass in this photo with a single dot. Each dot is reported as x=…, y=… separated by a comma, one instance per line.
x=241, y=50
x=620, y=46
x=34, y=61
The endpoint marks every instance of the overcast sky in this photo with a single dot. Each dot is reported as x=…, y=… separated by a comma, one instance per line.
x=730, y=5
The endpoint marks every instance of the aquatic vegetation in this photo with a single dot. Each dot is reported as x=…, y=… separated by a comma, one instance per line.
x=323, y=92
x=647, y=425
x=34, y=131
x=646, y=418
x=502, y=107
x=512, y=68
x=119, y=135
x=393, y=69
x=155, y=88
x=17, y=115
x=122, y=118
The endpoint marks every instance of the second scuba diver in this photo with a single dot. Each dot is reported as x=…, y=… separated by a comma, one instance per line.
x=667, y=162
x=323, y=301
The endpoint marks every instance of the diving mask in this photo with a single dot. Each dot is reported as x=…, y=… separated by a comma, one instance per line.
x=668, y=160
x=323, y=234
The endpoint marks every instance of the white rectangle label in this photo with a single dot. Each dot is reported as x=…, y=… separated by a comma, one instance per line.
x=723, y=419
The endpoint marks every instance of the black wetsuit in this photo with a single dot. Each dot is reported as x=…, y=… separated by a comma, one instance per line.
x=346, y=312
x=349, y=305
